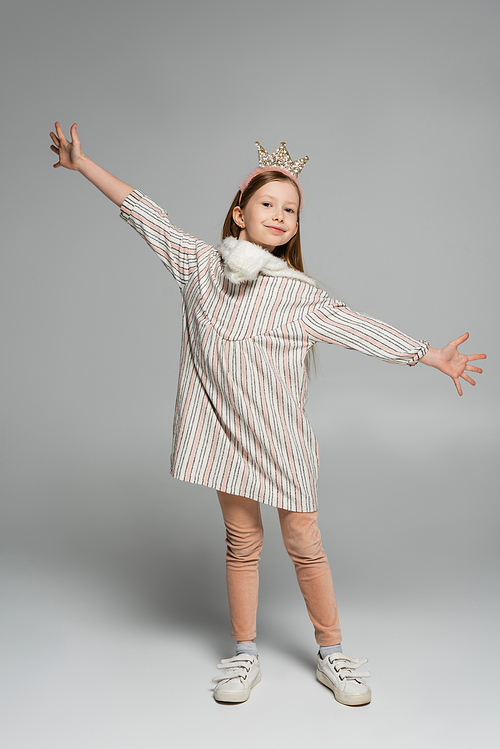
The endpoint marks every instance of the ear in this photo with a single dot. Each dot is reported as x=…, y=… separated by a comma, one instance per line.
x=238, y=217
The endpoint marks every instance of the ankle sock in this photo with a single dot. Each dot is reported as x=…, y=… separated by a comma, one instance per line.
x=250, y=648
x=325, y=650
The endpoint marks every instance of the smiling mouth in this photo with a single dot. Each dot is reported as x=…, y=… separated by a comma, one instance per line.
x=276, y=228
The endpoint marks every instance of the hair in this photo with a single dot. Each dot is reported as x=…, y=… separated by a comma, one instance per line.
x=290, y=252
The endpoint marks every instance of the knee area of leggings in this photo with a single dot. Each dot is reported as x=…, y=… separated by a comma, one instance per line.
x=305, y=552
x=244, y=543
x=304, y=544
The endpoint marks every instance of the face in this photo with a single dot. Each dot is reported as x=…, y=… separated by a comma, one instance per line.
x=270, y=218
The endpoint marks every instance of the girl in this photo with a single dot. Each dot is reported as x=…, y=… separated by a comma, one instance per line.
x=250, y=317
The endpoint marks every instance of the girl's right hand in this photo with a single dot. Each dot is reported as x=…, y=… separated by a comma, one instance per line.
x=69, y=152
x=71, y=157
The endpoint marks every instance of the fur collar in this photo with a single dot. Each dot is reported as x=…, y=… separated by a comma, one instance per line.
x=244, y=261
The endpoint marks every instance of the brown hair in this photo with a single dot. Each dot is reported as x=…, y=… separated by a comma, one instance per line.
x=290, y=252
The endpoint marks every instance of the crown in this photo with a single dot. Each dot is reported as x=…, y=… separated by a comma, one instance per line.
x=280, y=158
x=279, y=161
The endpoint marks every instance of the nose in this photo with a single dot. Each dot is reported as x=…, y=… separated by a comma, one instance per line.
x=278, y=215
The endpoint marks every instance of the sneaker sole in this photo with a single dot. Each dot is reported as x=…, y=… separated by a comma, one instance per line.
x=233, y=695
x=344, y=699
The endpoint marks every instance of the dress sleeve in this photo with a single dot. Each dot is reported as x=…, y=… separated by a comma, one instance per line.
x=334, y=322
x=177, y=250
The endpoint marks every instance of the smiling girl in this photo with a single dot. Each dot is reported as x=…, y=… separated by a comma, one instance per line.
x=250, y=317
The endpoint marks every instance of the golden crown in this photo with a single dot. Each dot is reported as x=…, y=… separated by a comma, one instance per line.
x=280, y=158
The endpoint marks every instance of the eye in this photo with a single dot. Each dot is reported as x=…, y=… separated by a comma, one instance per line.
x=266, y=204
x=289, y=210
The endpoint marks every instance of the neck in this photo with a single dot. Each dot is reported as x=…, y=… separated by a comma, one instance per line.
x=244, y=236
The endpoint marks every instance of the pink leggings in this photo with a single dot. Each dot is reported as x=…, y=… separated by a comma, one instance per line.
x=301, y=536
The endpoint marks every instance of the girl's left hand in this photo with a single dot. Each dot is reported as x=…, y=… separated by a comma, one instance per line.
x=451, y=362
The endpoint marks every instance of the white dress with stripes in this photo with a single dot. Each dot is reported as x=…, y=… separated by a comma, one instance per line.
x=239, y=423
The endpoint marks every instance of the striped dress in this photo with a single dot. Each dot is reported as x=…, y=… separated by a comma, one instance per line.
x=240, y=424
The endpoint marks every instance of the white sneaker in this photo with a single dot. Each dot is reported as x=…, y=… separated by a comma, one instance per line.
x=337, y=672
x=242, y=674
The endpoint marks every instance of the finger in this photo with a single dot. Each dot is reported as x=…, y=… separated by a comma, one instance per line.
x=60, y=133
x=56, y=150
x=74, y=134
x=467, y=379
x=55, y=139
x=473, y=357
x=469, y=368
x=56, y=165
x=458, y=386
x=461, y=339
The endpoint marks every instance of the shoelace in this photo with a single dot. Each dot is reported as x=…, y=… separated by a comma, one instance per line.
x=345, y=667
x=236, y=667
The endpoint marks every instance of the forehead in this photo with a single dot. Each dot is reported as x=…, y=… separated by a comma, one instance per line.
x=277, y=189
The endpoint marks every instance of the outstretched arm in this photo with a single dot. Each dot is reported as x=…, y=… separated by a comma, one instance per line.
x=71, y=157
x=452, y=363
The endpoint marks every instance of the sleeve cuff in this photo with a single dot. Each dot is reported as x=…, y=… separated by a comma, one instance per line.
x=129, y=203
x=420, y=353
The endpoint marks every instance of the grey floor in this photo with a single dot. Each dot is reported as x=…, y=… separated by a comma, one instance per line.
x=103, y=652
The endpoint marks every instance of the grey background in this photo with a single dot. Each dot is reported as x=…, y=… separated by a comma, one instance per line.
x=114, y=611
